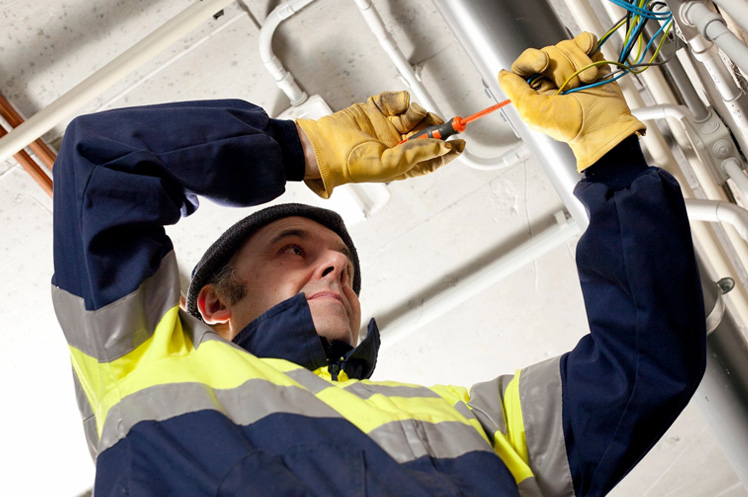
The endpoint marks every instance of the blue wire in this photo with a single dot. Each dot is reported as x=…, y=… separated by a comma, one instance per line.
x=593, y=85
x=638, y=10
x=651, y=40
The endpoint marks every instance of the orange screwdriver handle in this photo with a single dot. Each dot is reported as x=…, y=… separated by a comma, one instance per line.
x=440, y=131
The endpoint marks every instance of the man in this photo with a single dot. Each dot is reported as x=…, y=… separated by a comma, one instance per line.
x=259, y=389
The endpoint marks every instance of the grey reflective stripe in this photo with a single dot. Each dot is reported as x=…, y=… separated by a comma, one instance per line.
x=410, y=439
x=118, y=328
x=487, y=402
x=87, y=415
x=529, y=488
x=309, y=380
x=540, y=398
x=239, y=404
x=463, y=409
x=365, y=390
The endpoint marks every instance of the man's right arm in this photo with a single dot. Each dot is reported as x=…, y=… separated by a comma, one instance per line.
x=124, y=174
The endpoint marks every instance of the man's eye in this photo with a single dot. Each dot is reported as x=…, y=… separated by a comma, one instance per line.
x=293, y=250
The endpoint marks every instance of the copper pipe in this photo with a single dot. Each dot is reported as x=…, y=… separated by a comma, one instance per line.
x=32, y=167
x=40, y=148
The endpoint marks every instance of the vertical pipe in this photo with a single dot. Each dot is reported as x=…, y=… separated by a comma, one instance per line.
x=494, y=33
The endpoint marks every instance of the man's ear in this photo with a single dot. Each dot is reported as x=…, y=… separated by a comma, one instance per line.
x=211, y=306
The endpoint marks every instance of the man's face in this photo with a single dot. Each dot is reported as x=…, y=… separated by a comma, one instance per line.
x=293, y=255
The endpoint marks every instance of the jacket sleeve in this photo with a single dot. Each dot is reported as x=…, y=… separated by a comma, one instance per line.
x=579, y=422
x=122, y=175
x=626, y=382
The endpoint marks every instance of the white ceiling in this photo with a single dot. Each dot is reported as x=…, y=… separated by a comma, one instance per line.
x=431, y=234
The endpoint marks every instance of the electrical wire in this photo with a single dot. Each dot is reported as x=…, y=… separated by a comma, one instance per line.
x=636, y=18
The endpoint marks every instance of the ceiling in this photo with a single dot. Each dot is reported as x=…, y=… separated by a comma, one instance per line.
x=431, y=235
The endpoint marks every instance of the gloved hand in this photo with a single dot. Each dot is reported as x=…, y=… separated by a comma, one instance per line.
x=360, y=143
x=592, y=121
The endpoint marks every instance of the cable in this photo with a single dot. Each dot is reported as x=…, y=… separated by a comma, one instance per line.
x=636, y=18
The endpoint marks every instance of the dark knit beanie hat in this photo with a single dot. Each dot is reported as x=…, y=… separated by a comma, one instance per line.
x=220, y=253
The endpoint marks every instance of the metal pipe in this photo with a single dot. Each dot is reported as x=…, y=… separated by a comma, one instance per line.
x=91, y=87
x=478, y=282
x=494, y=33
x=722, y=396
x=38, y=146
x=514, y=156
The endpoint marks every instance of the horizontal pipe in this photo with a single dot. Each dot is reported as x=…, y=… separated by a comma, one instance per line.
x=479, y=281
x=101, y=80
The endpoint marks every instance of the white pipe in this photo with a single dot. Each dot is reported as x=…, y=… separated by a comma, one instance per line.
x=679, y=112
x=737, y=9
x=97, y=83
x=516, y=155
x=474, y=284
x=734, y=170
x=713, y=28
x=283, y=78
x=717, y=211
x=705, y=52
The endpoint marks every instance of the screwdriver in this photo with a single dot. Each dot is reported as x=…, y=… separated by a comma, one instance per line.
x=455, y=125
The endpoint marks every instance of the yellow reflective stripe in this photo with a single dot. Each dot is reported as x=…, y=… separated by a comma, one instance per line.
x=378, y=410
x=512, y=447
x=168, y=356
x=455, y=394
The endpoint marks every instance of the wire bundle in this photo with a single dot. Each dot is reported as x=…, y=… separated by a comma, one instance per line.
x=638, y=13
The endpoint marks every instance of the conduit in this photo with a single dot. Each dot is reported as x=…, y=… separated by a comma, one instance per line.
x=283, y=78
x=734, y=170
x=478, y=282
x=713, y=28
x=91, y=87
x=716, y=211
x=737, y=9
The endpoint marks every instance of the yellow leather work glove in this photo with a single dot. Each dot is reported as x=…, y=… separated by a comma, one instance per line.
x=592, y=121
x=360, y=143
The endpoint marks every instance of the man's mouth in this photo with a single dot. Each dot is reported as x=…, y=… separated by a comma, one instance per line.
x=326, y=295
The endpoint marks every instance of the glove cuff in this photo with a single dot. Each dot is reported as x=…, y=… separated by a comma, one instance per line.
x=593, y=146
x=328, y=180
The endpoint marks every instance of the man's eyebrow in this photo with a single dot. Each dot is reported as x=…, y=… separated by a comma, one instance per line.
x=304, y=235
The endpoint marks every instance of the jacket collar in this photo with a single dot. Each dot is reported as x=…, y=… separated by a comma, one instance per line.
x=286, y=331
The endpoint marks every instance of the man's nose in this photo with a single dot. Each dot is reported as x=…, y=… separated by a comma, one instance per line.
x=334, y=266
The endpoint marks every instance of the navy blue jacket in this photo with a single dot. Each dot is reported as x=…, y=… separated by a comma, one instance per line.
x=170, y=408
